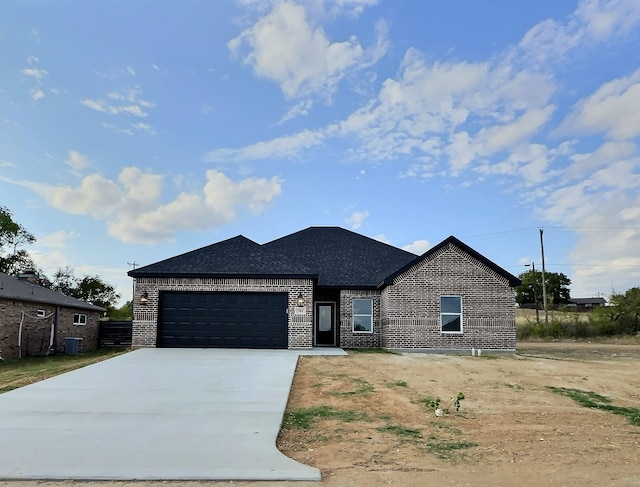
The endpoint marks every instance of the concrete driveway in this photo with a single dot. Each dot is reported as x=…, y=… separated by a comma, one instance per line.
x=155, y=414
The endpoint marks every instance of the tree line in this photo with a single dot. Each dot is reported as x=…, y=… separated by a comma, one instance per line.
x=15, y=261
x=621, y=315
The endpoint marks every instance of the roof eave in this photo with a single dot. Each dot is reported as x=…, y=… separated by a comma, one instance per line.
x=513, y=280
x=223, y=275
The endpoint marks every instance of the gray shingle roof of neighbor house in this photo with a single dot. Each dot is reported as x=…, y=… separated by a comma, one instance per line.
x=337, y=257
x=598, y=301
x=13, y=288
x=513, y=280
x=235, y=256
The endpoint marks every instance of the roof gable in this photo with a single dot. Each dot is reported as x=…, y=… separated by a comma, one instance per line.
x=13, y=288
x=340, y=257
x=513, y=280
x=235, y=256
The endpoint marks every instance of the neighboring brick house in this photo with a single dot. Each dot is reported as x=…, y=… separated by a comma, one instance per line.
x=325, y=286
x=35, y=320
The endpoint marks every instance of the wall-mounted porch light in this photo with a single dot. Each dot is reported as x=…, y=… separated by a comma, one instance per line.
x=144, y=299
x=300, y=299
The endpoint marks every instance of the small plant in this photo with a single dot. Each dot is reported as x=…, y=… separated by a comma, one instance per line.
x=434, y=403
x=455, y=402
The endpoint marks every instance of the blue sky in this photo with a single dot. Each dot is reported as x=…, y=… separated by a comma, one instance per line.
x=135, y=131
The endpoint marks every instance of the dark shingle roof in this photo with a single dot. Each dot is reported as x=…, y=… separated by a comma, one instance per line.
x=340, y=257
x=513, y=280
x=599, y=301
x=236, y=256
x=335, y=256
x=12, y=288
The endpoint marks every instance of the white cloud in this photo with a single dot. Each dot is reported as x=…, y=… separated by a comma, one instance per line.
x=132, y=208
x=285, y=147
x=285, y=47
x=614, y=109
x=77, y=161
x=299, y=109
x=144, y=127
x=418, y=247
x=356, y=219
x=382, y=238
x=128, y=103
x=593, y=22
x=37, y=73
x=58, y=240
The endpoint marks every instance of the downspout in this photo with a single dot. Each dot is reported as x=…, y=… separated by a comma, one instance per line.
x=54, y=347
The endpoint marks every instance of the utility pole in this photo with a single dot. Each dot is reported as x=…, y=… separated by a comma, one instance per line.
x=535, y=293
x=544, y=282
x=133, y=264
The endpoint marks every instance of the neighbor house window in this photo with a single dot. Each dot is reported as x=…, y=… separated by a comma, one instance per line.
x=451, y=314
x=41, y=313
x=79, y=319
x=363, y=315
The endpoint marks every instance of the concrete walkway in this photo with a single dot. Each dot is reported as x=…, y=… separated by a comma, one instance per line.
x=155, y=414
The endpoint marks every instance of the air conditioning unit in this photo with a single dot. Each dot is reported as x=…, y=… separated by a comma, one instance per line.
x=72, y=346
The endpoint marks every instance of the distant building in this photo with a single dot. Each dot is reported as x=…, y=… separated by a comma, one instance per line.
x=587, y=304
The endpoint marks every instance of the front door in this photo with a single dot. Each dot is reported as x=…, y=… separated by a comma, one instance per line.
x=325, y=324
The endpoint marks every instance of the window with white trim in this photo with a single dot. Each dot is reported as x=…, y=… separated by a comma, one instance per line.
x=79, y=319
x=41, y=313
x=362, y=315
x=451, y=314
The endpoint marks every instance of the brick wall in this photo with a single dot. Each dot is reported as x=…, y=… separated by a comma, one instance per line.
x=145, y=316
x=349, y=338
x=36, y=331
x=410, y=307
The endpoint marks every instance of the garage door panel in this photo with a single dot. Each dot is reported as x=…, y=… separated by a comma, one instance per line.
x=220, y=319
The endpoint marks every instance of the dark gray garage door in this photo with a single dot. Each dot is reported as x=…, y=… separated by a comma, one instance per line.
x=223, y=320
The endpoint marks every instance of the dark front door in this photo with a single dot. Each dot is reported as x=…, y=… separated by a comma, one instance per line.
x=325, y=324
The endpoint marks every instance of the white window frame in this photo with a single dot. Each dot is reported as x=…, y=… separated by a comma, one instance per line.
x=353, y=316
x=460, y=314
x=80, y=319
x=41, y=313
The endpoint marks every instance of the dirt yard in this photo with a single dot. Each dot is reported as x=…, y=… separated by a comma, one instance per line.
x=368, y=425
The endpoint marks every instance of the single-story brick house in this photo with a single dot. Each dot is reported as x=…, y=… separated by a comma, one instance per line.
x=35, y=320
x=325, y=286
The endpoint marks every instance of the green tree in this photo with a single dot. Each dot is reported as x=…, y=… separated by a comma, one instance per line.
x=625, y=309
x=13, y=236
x=123, y=313
x=91, y=289
x=557, y=285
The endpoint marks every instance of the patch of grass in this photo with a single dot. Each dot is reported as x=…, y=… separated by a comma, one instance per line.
x=306, y=418
x=593, y=400
x=448, y=450
x=401, y=431
x=362, y=387
x=398, y=383
x=444, y=426
x=17, y=373
x=517, y=387
x=369, y=350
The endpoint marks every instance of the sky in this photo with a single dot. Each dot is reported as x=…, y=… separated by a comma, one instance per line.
x=131, y=132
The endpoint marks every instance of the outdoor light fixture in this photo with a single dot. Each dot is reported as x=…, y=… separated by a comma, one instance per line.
x=144, y=298
x=300, y=300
